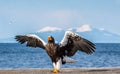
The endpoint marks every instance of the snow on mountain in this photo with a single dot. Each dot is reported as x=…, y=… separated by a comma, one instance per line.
x=85, y=31
x=94, y=35
x=47, y=29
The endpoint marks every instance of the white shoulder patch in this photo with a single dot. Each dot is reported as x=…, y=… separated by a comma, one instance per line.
x=35, y=36
x=66, y=36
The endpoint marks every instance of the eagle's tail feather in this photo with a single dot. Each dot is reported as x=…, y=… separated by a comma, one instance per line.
x=68, y=60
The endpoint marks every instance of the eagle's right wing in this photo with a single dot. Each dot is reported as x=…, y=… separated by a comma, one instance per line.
x=72, y=42
x=31, y=40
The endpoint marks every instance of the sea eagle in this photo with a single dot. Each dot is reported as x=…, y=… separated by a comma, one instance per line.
x=70, y=44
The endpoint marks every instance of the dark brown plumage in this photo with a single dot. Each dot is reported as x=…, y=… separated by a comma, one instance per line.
x=31, y=41
x=69, y=45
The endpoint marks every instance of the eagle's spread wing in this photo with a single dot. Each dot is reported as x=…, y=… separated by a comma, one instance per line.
x=72, y=42
x=31, y=40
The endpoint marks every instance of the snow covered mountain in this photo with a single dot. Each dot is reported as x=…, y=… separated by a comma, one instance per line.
x=94, y=35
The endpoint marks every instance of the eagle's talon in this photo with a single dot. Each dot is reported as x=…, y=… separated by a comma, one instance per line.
x=55, y=70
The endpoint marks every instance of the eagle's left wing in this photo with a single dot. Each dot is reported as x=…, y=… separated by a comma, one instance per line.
x=72, y=42
x=31, y=40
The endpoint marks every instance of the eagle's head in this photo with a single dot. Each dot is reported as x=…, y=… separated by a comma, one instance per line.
x=51, y=39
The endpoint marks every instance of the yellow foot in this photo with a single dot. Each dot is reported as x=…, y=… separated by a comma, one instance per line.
x=55, y=70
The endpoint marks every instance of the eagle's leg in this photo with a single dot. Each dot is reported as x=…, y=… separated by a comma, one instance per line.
x=57, y=66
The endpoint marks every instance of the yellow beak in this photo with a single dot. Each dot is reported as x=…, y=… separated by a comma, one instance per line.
x=49, y=38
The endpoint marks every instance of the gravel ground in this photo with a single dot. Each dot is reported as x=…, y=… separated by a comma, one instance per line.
x=63, y=71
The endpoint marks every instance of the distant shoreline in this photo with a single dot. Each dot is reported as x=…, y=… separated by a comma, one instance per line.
x=105, y=70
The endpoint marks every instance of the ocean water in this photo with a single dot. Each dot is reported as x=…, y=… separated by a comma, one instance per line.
x=14, y=55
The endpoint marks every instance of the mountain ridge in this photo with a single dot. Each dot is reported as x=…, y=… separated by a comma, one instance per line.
x=95, y=35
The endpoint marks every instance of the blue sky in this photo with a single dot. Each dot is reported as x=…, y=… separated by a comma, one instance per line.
x=26, y=16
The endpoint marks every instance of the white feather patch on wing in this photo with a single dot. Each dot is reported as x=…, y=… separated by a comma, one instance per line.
x=66, y=36
x=35, y=36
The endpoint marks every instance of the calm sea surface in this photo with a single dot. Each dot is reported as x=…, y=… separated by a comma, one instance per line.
x=14, y=55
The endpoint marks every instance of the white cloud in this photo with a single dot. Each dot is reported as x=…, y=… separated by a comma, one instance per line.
x=70, y=29
x=45, y=29
x=101, y=29
x=83, y=28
